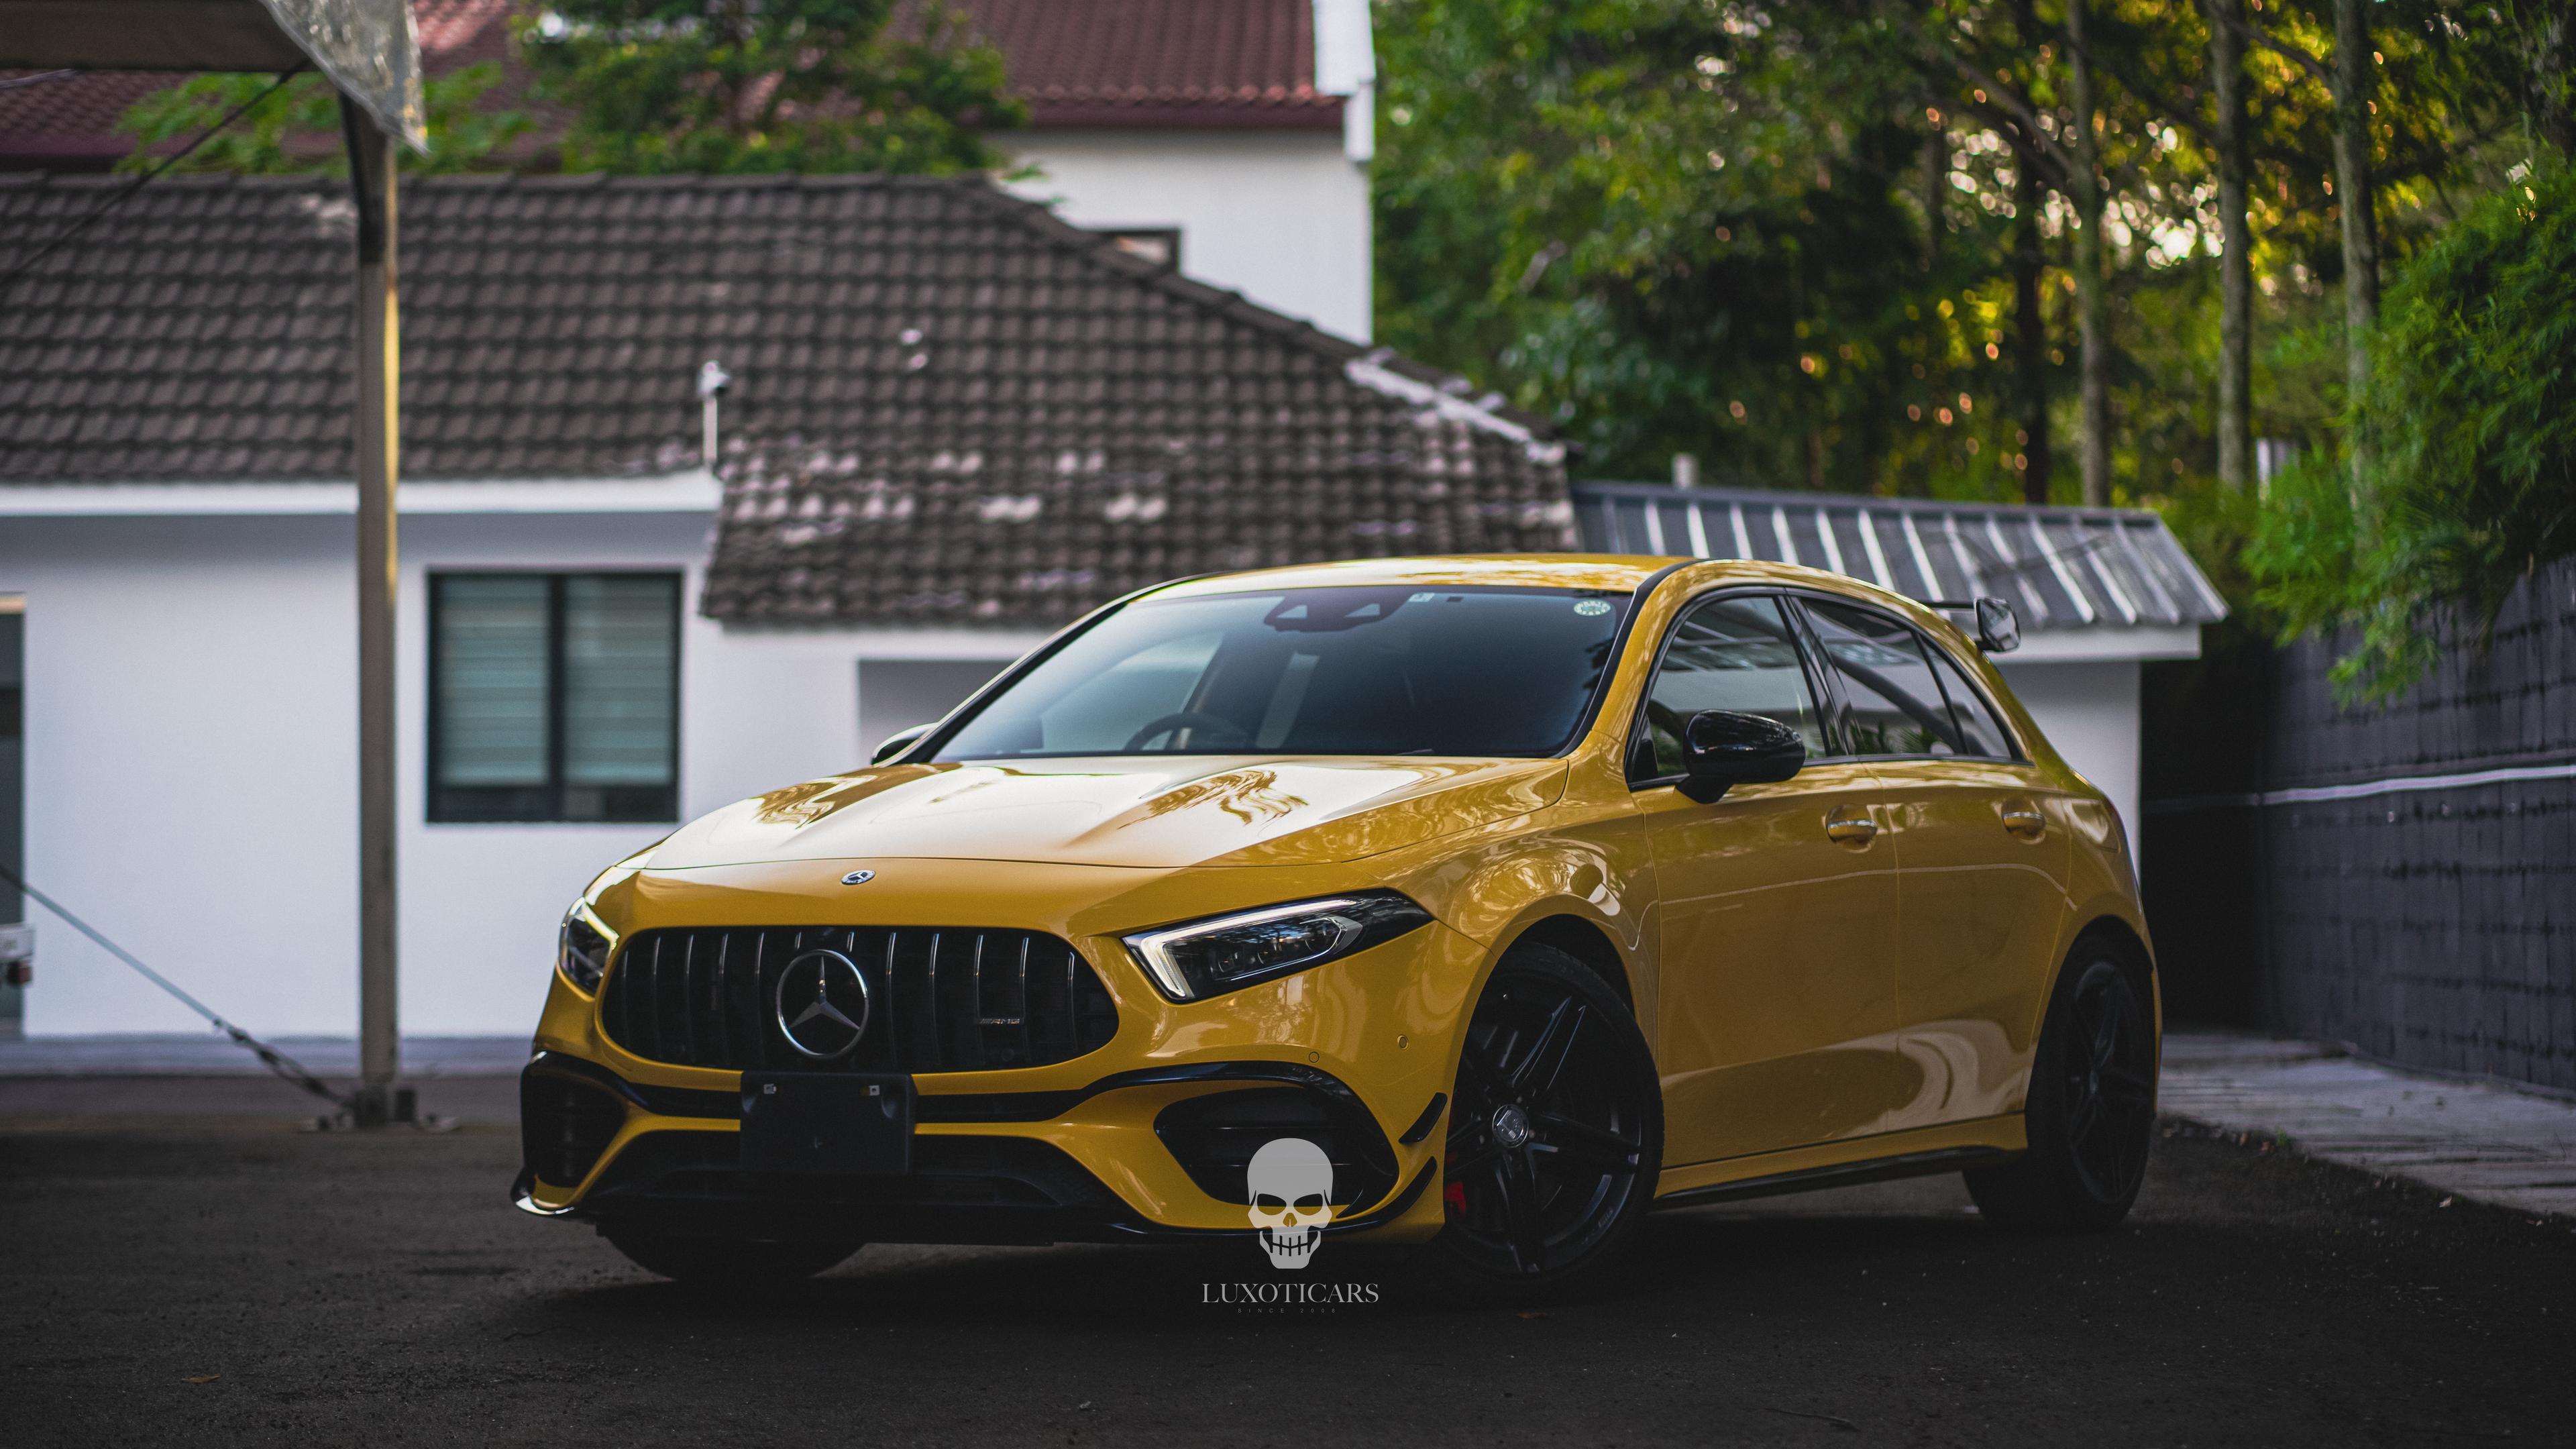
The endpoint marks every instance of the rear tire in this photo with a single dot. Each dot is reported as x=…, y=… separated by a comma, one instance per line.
x=1556, y=1134
x=2091, y=1111
x=726, y=1262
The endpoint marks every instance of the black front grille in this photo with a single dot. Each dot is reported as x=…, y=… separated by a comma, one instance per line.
x=942, y=999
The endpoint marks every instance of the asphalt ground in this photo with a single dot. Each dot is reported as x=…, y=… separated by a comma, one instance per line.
x=178, y=1269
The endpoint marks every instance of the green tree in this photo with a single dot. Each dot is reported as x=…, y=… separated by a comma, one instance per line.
x=298, y=129
x=769, y=85
x=1686, y=228
x=2469, y=416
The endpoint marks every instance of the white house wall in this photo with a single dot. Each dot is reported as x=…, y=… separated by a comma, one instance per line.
x=191, y=762
x=2089, y=711
x=1280, y=216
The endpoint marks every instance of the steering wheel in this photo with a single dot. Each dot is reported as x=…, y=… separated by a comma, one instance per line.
x=1188, y=719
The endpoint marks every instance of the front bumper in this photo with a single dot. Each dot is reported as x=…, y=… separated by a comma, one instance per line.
x=1135, y=1140
x=672, y=1164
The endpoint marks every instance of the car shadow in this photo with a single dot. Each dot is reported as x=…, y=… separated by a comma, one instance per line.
x=1682, y=1259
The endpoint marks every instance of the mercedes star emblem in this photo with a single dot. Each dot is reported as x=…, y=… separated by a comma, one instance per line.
x=823, y=1004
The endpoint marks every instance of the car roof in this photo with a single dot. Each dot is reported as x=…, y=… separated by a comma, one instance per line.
x=1618, y=573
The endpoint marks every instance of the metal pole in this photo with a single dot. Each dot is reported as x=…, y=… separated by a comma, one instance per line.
x=379, y=439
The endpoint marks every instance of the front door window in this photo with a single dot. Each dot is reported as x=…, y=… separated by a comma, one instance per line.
x=1729, y=653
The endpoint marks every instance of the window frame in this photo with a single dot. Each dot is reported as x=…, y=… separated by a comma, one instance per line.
x=1838, y=709
x=433, y=750
x=1799, y=640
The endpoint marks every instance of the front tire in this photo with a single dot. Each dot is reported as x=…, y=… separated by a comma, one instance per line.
x=1556, y=1134
x=2091, y=1112
x=726, y=1262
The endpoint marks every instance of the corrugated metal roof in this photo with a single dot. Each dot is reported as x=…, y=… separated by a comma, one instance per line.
x=2061, y=568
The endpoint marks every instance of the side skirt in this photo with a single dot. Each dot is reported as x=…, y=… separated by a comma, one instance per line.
x=1844, y=1174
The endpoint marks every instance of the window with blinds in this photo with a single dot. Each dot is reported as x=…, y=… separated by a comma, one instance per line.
x=554, y=697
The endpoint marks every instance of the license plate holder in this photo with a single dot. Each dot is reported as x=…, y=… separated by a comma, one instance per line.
x=845, y=1124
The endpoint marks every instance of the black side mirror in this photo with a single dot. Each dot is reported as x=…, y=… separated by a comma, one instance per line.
x=1998, y=627
x=1723, y=748
x=898, y=742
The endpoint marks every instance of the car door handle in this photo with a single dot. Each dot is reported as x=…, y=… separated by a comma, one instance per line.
x=2025, y=821
x=1850, y=827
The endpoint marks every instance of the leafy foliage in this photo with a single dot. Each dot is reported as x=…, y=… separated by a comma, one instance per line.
x=1679, y=227
x=2471, y=418
x=1636, y=215
x=298, y=129
x=662, y=86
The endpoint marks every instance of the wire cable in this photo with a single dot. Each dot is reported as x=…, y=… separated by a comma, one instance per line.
x=139, y=182
x=276, y=1061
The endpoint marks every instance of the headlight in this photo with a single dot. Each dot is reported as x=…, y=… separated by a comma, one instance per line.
x=1225, y=953
x=582, y=947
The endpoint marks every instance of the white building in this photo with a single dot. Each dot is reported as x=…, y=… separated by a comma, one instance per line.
x=1232, y=138
x=956, y=422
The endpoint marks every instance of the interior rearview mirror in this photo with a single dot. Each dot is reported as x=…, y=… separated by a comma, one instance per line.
x=1998, y=627
x=1722, y=748
x=898, y=742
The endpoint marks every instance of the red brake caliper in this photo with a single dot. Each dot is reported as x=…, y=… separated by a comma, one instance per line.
x=1455, y=1196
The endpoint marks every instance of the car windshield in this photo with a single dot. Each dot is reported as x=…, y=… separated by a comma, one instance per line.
x=1323, y=671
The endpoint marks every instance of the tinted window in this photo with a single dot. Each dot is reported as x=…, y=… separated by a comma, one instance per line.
x=1329, y=671
x=1729, y=653
x=1892, y=703
x=1980, y=733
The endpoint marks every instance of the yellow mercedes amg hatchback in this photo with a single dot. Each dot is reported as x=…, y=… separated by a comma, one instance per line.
x=1480, y=903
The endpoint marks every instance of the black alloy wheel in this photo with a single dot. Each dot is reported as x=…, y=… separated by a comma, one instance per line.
x=1555, y=1131
x=2108, y=1076
x=2092, y=1107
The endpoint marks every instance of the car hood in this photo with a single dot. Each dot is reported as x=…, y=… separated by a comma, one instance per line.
x=1120, y=811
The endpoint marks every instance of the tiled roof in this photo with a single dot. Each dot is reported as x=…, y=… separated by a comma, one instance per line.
x=70, y=122
x=949, y=406
x=2060, y=568
x=1160, y=62
x=1078, y=63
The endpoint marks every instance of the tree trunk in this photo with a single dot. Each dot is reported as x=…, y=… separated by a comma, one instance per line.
x=2236, y=258
x=2549, y=35
x=2354, y=74
x=1936, y=195
x=2030, y=331
x=2091, y=306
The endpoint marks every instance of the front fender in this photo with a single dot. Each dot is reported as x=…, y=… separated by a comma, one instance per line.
x=1584, y=860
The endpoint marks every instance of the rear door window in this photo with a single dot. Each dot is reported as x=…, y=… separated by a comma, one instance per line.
x=1892, y=702
x=1981, y=732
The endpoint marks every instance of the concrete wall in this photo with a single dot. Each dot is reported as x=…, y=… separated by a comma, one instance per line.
x=1280, y=216
x=2398, y=875
x=191, y=762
